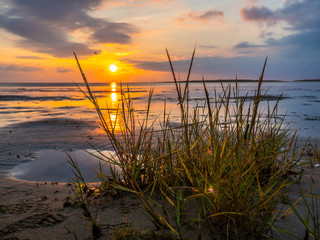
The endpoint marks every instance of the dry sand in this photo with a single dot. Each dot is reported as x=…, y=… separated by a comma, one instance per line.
x=37, y=210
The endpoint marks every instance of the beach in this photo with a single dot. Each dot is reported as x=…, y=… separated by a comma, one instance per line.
x=44, y=210
x=167, y=120
x=31, y=209
x=38, y=210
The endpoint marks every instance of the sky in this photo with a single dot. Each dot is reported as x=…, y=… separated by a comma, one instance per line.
x=232, y=39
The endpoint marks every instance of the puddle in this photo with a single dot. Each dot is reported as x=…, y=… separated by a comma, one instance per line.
x=53, y=166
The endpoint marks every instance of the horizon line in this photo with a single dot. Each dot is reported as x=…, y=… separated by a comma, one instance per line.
x=145, y=82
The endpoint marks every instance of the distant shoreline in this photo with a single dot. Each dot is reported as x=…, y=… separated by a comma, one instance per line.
x=81, y=84
x=249, y=80
x=230, y=80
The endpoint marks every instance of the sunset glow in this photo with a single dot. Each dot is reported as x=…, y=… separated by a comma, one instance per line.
x=232, y=38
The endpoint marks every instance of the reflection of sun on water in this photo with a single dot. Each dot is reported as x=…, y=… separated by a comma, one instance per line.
x=115, y=122
x=113, y=86
x=113, y=118
x=114, y=97
x=113, y=114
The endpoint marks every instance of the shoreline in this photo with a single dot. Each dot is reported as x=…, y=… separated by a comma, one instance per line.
x=38, y=209
x=32, y=210
x=19, y=142
x=96, y=84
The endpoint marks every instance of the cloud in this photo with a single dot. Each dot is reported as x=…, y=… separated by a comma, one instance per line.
x=153, y=65
x=30, y=57
x=245, y=67
x=265, y=34
x=252, y=1
x=257, y=14
x=299, y=15
x=19, y=68
x=45, y=26
x=247, y=45
x=201, y=15
x=201, y=65
x=303, y=44
x=302, y=20
x=210, y=67
x=64, y=70
x=308, y=38
x=113, y=33
x=135, y=3
x=207, y=46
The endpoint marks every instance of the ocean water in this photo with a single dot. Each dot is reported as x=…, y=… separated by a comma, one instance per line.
x=299, y=106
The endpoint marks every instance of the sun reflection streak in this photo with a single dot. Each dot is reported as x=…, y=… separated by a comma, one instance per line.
x=114, y=120
x=113, y=86
x=114, y=97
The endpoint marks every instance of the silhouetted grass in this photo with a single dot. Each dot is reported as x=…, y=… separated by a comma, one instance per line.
x=223, y=170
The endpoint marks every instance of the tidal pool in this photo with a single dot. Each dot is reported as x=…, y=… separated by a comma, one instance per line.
x=53, y=166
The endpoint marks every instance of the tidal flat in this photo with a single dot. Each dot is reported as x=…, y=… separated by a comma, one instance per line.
x=38, y=121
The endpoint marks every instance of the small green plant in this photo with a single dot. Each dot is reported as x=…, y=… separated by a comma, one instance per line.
x=309, y=216
x=81, y=195
x=222, y=170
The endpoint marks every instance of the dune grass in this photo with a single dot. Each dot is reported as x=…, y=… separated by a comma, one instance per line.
x=221, y=172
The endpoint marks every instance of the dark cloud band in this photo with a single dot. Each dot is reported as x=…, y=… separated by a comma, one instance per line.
x=45, y=26
x=19, y=68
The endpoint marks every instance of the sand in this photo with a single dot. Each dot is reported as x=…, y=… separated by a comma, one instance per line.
x=40, y=210
x=35, y=210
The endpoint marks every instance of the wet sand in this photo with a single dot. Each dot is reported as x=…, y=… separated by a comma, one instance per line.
x=41, y=210
x=18, y=142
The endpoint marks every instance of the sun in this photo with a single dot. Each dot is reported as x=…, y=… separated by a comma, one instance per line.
x=113, y=68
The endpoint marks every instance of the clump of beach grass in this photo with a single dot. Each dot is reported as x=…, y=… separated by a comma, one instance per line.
x=220, y=172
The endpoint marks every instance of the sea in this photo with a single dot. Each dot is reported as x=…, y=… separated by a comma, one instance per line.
x=298, y=104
